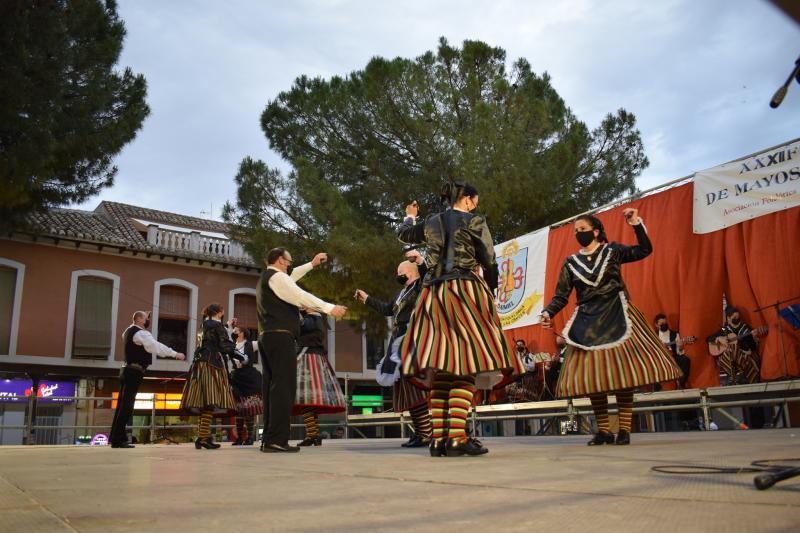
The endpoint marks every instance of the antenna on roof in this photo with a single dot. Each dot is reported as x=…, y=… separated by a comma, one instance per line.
x=208, y=214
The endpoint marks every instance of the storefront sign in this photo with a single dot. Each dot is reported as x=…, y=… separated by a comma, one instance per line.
x=18, y=390
x=144, y=401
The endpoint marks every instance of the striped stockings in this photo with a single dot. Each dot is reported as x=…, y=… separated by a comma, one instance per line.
x=422, y=421
x=625, y=409
x=311, y=421
x=204, y=425
x=451, y=401
x=600, y=408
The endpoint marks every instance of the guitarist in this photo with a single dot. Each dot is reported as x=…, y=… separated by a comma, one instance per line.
x=672, y=340
x=740, y=355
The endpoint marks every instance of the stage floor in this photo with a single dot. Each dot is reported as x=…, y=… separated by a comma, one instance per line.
x=524, y=483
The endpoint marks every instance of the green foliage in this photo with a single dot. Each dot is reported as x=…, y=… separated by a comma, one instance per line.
x=64, y=111
x=364, y=146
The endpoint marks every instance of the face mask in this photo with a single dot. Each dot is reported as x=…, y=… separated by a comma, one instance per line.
x=147, y=323
x=289, y=270
x=520, y=348
x=664, y=327
x=735, y=322
x=585, y=238
x=402, y=279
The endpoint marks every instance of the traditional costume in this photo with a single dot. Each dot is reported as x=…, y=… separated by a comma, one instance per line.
x=318, y=390
x=207, y=391
x=739, y=361
x=408, y=393
x=611, y=345
x=246, y=385
x=455, y=330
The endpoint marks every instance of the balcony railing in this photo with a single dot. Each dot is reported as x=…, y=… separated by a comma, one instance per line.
x=194, y=242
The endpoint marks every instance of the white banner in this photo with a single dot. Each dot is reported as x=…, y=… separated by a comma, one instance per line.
x=732, y=193
x=522, y=263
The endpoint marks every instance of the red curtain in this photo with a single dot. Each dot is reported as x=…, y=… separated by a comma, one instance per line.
x=753, y=263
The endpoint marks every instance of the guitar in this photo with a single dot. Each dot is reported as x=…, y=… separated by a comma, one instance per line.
x=718, y=348
x=686, y=341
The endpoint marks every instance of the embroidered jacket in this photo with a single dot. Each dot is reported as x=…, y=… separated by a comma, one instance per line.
x=600, y=320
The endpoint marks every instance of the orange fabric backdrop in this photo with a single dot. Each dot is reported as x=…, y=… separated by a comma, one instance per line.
x=754, y=263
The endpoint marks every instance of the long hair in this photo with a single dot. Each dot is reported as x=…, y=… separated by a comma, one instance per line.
x=595, y=223
x=453, y=191
x=211, y=310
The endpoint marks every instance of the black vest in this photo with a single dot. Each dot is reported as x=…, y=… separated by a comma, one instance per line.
x=133, y=352
x=274, y=313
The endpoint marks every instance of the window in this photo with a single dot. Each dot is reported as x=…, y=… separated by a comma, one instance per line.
x=375, y=351
x=92, y=333
x=8, y=285
x=244, y=309
x=173, y=317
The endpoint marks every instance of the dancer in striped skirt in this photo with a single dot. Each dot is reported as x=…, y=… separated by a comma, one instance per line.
x=611, y=346
x=318, y=390
x=455, y=331
x=207, y=391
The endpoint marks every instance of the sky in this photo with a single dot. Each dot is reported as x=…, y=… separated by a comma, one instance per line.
x=697, y=75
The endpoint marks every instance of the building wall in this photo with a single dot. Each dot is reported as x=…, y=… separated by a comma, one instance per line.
x=48, y=273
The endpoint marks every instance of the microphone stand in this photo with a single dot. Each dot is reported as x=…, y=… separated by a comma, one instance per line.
x=163, y=435
x=777, y=305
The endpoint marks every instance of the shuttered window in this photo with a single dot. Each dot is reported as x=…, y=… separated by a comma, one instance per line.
x=244, y=308
x=173, y=317
x=8, y=285
x=92, y=335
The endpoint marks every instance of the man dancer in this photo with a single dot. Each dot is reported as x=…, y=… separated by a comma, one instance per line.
x=278, y=302
x=406, y=395
x=140, y=346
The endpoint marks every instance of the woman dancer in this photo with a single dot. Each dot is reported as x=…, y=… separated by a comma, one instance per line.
x=207, y=391
x=318, y=391
x=246, y=386
x=611, y=347
x=455, y=330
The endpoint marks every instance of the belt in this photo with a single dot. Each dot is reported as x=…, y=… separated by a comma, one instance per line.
x=279, y=331
x=135, y=366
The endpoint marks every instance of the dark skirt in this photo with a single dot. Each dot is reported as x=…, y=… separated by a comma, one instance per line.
x=317, y=385
x=406, y=395
x=455, y=328
x=246, y=383
x=207, y=389
x=641, y=359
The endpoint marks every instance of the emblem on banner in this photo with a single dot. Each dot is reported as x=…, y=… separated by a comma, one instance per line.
x=511, y=285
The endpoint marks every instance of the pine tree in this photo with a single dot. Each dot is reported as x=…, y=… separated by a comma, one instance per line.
x=363, y=146
x=65, y=112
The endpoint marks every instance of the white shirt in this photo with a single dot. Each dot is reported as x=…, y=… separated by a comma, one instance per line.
x=240, y=351
x=664, y=336
x=146, y=340
x=285, y=287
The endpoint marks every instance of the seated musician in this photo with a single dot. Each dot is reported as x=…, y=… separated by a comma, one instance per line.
x=527, y=387
x=736, y=345
x=672, y=340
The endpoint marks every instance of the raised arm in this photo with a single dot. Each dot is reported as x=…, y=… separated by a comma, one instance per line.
x=384, y=308
x=411, y=231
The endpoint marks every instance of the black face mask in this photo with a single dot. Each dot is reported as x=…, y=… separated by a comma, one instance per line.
x=585, y=238
x=147, y=323
x=664, y=327
x=289, y=270
x=735, y=323
x=402, y=279
x=520, y=348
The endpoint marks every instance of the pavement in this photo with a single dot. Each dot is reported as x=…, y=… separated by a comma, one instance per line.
x=523, y=484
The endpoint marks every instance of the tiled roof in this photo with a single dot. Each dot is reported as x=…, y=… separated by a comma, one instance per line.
x=112, y=223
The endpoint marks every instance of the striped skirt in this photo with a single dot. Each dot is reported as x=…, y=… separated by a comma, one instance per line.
x=207, y=389
x=406, y=395
x=317, y=386
x=455, y=328
x=640, y=360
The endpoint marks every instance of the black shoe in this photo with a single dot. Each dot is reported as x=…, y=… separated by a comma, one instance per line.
x=248, y=442
x=416, y=442
x=623, y=437
x=237, y=442
x=459, y=447
x=197, y=444
x=123, y=445
x=310, y=442
x=208, y=444
x=600, y=438
x=437, y=448
x=277, y=448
